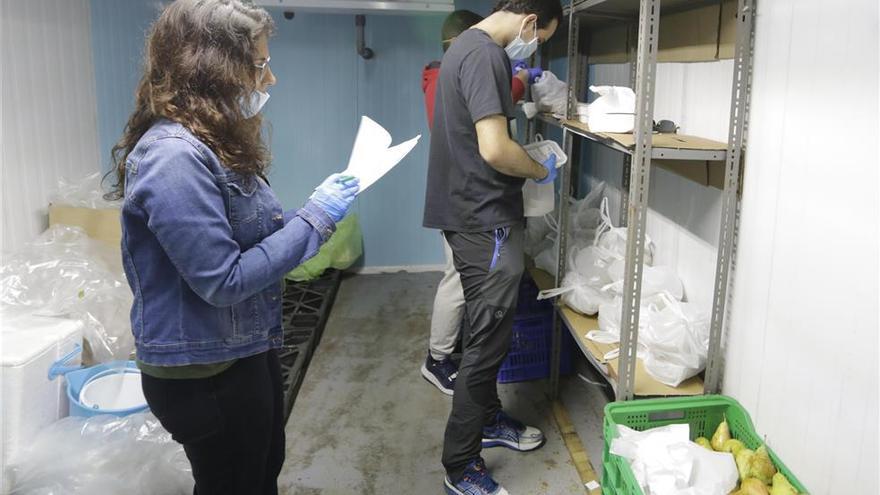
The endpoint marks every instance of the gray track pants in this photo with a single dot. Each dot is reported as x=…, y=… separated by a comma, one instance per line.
x=490, y=265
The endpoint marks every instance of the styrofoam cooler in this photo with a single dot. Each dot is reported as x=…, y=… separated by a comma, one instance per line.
x=29, y=401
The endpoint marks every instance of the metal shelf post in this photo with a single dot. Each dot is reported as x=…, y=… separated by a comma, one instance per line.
x=564, y=193
x=739, y=107
x=646, y=62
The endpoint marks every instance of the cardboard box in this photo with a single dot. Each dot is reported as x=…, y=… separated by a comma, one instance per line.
x=689, y=36
x=704, y=173
x=103, y=224
x=699, y=35
x=727, y=37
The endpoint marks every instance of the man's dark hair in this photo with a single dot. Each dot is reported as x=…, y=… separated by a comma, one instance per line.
x=457, y=23
x=546, y=10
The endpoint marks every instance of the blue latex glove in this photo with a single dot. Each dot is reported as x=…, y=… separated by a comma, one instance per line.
x=534, y=74
x=518, y=65
x=335, y=195
x=550, y=165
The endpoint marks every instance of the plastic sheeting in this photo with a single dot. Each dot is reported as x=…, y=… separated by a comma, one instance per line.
x=665, y=462
x=65, y=273
x=104, y=455
x=84, y=193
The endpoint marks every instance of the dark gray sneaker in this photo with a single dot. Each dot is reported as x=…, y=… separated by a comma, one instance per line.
x=441, y=374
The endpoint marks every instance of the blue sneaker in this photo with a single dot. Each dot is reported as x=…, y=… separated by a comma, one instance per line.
x=476, y=480
x=510, y=433
x=441, y=374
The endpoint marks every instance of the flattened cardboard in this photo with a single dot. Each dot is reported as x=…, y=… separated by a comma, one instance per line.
x=102, y=224
x=689, y=36
x=673, y=141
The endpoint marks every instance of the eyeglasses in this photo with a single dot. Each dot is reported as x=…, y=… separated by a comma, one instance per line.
x=263, y=66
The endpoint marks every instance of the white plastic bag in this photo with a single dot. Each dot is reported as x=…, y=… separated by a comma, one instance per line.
x=613, y=238
x=540, y=199
x=84, y=193
x=550, y=94
x=536, y=232
x=582, y=287
x=613, y=111
x=547, y=259
x=649, y=456
x=103, y=455
x=677, y=341
x=714, y=472
x=585, y=216
x=655, y=280
x=665, y=462
x=530, y=109
x=609, y=319
x=65, y=273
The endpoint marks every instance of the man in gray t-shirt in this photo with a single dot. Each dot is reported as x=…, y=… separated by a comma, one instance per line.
x=474, y=195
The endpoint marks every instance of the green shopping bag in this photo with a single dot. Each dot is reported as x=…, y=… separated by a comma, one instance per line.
x=339, y=252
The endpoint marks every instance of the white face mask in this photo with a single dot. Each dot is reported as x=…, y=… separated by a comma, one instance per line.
x=519, y=49
x=252, y=106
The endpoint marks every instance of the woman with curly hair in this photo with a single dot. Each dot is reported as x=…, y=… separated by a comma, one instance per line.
x=206, y=244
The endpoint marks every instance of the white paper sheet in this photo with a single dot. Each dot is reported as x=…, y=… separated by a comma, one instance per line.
x=371, y=156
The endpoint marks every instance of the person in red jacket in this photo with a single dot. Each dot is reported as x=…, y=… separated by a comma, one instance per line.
x=454, y=24
x=449, y=305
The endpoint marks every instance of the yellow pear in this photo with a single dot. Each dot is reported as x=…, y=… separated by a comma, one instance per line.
x=762, y=466
x=743, y=460
x=722, y=434
x=781, y=486
x=752, y=486
x=733, y=446
x=704, y=442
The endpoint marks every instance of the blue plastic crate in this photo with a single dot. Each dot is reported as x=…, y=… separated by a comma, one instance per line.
x=532, y=340
x=527, y=303
x=530, y=348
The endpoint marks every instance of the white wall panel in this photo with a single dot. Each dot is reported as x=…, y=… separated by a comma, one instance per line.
x=48, y=108
x=803, y=346
x=683, y=219
x=802, y=352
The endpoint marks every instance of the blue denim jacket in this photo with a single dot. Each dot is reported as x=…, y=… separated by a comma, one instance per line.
x=205, y=251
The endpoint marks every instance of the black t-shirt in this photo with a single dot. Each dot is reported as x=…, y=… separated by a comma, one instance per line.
x=464, y=193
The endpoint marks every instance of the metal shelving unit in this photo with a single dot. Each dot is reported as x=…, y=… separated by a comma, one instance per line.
x=639, y=149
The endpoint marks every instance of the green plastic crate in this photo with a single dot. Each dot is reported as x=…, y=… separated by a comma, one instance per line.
x=703, y=414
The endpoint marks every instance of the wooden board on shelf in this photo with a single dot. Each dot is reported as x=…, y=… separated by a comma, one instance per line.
x=672, y=141
x=645, y=384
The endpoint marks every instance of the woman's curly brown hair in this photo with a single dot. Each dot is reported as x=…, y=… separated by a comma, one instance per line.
x=198, y=66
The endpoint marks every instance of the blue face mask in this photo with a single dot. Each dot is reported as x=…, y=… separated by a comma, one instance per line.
x=520, y=49
x=251, y=106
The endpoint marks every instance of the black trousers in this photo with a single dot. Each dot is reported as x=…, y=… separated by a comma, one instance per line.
x=490, y=265
x=231, y=425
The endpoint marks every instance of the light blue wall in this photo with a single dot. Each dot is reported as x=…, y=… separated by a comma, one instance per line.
x=323, y=89
x=482, y=7
x=118, y=34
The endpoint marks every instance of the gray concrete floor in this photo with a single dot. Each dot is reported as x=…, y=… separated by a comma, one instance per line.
x=365, y=421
